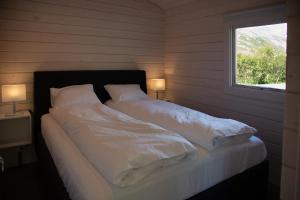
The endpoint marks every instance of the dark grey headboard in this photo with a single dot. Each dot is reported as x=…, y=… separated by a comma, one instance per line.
x=44, y=80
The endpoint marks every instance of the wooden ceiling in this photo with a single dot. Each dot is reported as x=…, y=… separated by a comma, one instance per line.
x=168, y=4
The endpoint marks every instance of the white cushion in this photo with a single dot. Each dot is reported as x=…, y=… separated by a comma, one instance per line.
x=125, y=92
x=72, y=95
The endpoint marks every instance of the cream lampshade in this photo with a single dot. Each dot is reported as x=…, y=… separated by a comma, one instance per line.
x=158, y=85
x=13, y=93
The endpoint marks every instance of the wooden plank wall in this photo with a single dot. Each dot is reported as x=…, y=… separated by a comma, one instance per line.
x=129, y=34
x=195, y=71
x=290, y=181
x=77, y=34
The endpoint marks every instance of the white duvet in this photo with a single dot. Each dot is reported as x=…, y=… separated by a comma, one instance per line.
x=202, y=129
x=122, y=149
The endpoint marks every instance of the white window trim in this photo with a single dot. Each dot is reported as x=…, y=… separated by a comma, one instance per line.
x=262, y=16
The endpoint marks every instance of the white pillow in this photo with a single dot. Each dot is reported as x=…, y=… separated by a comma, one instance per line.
x=72, y=95
x=125, y=92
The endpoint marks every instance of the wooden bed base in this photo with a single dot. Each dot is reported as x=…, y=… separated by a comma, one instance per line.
x=252, y=184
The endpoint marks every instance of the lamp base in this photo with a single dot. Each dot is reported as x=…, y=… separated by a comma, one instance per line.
x=14, y=108
x=14, y=111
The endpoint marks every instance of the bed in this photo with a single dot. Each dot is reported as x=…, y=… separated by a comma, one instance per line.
x=200, y=128
x=251, y=184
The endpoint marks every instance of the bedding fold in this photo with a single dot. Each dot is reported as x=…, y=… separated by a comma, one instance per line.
x=124, y=150
x=199, y=128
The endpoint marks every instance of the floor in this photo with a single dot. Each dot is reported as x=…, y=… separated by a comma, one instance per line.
x=24, y=183
x=274, y=192
x=21, y=183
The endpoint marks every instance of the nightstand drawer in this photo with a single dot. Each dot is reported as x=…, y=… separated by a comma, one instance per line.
x=15, y=130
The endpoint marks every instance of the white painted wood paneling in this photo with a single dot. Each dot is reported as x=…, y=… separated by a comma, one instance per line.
x=290, y=179
x=195, y=71
x=77, y=34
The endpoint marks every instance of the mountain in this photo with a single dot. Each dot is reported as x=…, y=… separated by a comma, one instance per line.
x=251, y=38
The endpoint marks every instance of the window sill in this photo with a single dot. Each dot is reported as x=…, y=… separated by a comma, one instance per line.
x=256, y=93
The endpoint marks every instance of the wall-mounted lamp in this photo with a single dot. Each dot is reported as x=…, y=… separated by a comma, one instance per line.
x=157, y=85
x=13, y=93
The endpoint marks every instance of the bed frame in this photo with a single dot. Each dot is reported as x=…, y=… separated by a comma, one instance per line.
x=251, y=184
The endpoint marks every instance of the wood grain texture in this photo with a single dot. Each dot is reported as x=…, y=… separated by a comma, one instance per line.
x=168, y=4
x=195, y=69
x=77, y=34
x=290, y=179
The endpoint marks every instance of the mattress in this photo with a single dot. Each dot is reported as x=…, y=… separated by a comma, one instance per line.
x=181, y=181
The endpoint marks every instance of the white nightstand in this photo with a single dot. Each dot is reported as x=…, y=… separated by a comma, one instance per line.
x=165, y=99
x=15, y=131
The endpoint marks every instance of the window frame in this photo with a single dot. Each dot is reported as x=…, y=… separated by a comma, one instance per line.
x=257, y=17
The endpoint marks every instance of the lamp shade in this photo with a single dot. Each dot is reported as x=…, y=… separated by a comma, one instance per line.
x=158, y=84
x=13, y=93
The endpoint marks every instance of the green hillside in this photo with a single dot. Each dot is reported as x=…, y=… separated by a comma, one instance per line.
x=261, y=58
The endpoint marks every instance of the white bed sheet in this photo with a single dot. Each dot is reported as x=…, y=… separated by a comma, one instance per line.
x=180, y=181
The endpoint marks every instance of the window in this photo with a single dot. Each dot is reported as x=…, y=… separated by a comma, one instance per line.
x=260, y=56
x=256, y=53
